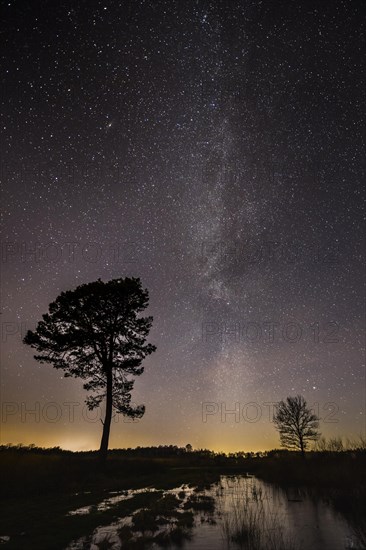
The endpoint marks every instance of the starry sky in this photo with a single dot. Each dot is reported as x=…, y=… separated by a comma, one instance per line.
x=213, y=149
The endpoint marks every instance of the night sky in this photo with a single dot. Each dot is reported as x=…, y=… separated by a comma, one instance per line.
x=213, y=149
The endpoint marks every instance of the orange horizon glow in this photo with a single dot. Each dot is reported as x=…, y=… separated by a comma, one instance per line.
x=84, y=444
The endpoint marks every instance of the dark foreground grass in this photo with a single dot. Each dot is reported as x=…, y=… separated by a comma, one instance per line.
x=43, y=523
x=38, y=490
x=320, y=471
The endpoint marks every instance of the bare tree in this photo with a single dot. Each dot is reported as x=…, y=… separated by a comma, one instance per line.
x=296, y=423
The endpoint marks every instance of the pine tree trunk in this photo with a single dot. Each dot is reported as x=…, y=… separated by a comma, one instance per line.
x=108, y=417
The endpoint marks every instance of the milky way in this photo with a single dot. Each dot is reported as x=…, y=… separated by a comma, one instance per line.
x=213, y=149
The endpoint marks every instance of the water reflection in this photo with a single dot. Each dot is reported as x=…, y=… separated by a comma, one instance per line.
x=238, y=512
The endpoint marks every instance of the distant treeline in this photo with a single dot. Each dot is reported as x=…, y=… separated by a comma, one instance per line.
x=20, y=448
x=331, y=445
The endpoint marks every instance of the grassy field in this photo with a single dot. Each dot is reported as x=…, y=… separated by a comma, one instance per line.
x=40, y=487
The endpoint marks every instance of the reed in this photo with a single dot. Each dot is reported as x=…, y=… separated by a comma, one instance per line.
x=248, y=523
